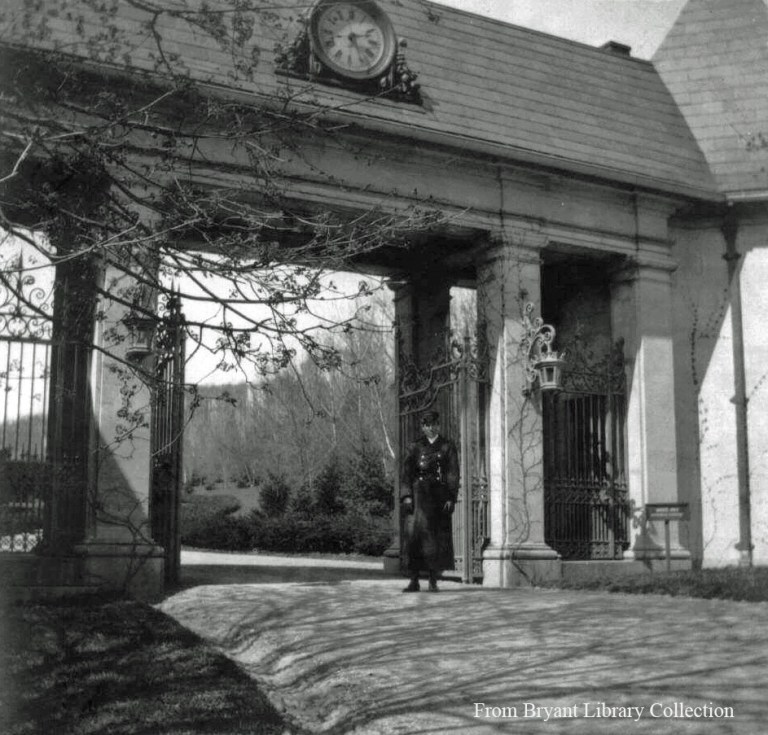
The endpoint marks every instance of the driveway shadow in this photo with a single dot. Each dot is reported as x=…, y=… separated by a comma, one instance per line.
x=358, y=656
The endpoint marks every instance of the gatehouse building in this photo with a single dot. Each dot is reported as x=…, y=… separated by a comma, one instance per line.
x=611, y=214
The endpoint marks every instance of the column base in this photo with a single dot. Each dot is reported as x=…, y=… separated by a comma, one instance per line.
x=655, y=559
x=650, y=546
x=520, y=566
x=134, y=569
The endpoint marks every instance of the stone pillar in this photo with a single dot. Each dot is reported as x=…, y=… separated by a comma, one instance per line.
x=509, y=278
x=118, y=550
x=69, y=409
x=422, y=312
x=56, y=561
x=404, y=323
x=641, y=313
x=422, y=315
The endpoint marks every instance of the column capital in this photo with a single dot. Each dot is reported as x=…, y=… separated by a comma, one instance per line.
x=400, y=287
x=657, y=268
x=527, y=254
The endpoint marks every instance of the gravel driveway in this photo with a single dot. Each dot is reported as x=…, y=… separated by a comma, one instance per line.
x=341, y=650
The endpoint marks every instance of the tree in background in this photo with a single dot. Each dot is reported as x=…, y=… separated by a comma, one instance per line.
x=292, y=422
x=327, y=495
x=275, y=496
x=367, y=486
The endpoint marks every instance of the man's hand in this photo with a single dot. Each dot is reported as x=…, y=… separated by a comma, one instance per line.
x=448, y=507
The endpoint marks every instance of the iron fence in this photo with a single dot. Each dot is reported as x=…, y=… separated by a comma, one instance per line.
x=25, y=368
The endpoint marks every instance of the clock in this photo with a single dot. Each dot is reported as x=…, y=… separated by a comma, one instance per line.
x=354, y=39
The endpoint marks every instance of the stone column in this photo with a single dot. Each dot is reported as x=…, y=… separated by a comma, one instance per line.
x=422, y=315
x=69, y=409
x=404, y=322
x=641, y=313
x=509, y=278
x=56, y=562
x=119, y=552
x=422, y=312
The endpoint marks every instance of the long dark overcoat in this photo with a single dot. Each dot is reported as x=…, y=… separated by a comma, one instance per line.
x=430, y=478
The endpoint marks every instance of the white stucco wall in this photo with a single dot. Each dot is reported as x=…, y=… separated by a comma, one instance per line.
x=704, y=389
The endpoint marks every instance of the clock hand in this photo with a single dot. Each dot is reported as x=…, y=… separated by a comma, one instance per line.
x=353, y=41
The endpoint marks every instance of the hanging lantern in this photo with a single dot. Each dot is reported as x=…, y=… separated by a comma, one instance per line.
x=141, y=336
x=549, y=371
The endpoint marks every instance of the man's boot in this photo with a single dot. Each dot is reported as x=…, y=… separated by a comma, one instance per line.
x=413, y=585
x=433, y=581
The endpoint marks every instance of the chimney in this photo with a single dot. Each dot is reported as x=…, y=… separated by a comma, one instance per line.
x=614, y=47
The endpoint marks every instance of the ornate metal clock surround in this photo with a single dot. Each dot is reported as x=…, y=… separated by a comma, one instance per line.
x=301, y=60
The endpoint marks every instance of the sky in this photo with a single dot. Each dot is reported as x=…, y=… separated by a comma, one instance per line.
x=641, y=24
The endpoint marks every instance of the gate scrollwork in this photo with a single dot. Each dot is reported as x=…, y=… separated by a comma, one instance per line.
x=418, y=386
x=26, y=306
x=25, y=383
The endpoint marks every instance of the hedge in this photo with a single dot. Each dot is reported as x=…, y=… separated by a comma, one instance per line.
x=291, y=533
x=205, y=520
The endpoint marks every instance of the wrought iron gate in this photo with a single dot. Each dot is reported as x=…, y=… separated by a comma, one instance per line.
x=167, y=438
x=45, y=413
x=585, y=490
x=455, y=385
x=25, y=368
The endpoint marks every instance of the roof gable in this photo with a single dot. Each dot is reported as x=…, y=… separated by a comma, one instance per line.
x=715, y=63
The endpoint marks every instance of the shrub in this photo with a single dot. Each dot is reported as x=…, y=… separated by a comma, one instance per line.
x=374, y=537
x=366, y=486
x=208, y=522
x=275, y=494
x=243, y=481
x=328, y=487
x=331, y=534
x=223, y=533
x=337, y=534
x=199, y=512
x=302, y=502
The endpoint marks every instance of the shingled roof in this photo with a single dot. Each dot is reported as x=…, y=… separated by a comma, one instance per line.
x=515, y=93
x=715, y=62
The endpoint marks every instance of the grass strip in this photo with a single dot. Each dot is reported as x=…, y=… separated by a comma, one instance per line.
x=94, y=665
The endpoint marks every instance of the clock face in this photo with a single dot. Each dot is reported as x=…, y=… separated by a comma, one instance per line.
x=354, y=39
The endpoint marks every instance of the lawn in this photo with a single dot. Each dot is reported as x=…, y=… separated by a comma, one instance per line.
x=730, y=583
x=91, y=666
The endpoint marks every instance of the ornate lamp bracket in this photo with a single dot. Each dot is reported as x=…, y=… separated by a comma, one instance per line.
x=542, y=364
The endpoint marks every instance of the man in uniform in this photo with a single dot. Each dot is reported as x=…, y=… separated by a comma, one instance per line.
x=430, y=485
